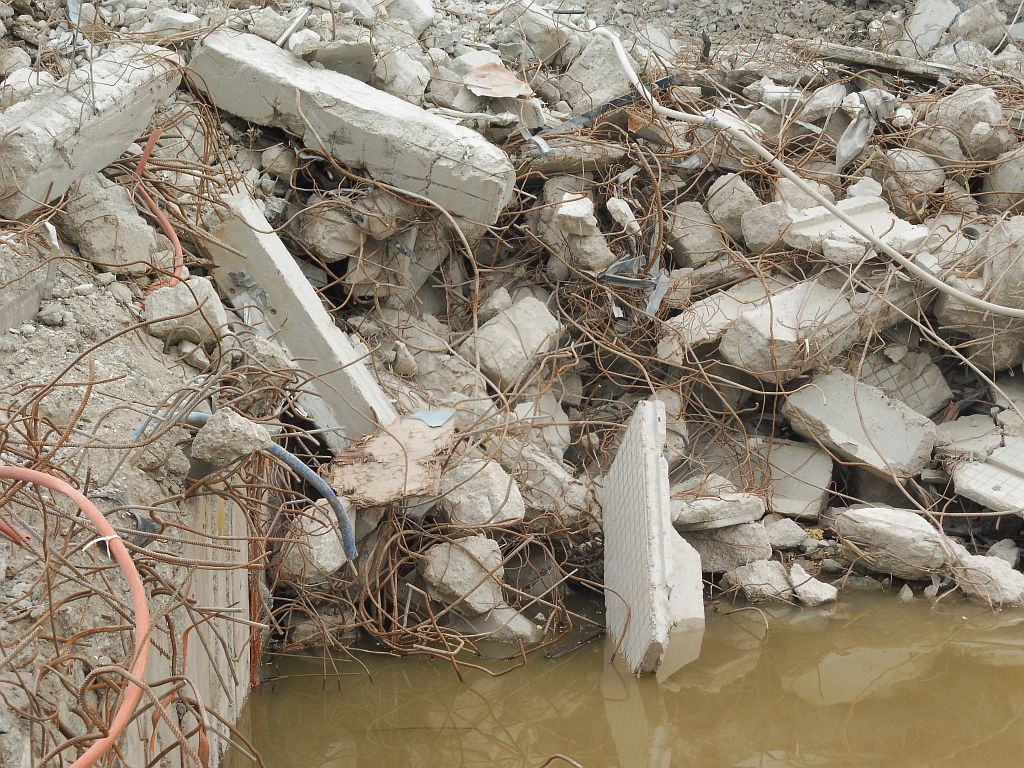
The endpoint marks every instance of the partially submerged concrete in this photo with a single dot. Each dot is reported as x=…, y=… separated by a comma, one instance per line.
x=643, y=556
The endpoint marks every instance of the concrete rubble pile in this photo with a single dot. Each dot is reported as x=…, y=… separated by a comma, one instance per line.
x=459, y=324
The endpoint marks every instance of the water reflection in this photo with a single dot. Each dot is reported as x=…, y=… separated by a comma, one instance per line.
x=873, y=682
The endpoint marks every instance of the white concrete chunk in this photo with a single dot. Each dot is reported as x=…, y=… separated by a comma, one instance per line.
x=799, y=475
x=925, y=26
x=468, y=571
x=253, y=268
x=727, y=200
x=312, y=549
x=857, y=421
x=712, y=501
x=791, y=332
x=990, y=580
x=760, y=581
x=808, y=589
x=190, y=310
x=693, y=236
x=810, y=227
x=480, y=492
x=913, y=379
x=785, y=533
x=511, y=343
x=227, y=437
x=1005, y=549
x=970, y=437
x=395, y=141
x=706, y=320
x=895, y=541
x=81, y=125
x=723, y=549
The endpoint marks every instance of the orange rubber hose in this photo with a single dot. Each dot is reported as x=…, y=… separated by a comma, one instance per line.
x=133, y=693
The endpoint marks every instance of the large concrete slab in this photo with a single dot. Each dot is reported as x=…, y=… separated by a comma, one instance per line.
x=860, y=423
x=397, y=142
x=252, y=268
x=652, y=578
x=81, y=124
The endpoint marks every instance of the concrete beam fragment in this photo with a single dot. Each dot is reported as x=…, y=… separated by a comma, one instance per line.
x=81, y=124
x=252, y=268
x=397, y=142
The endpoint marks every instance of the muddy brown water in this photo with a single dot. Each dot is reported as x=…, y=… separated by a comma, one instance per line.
x=872, y=682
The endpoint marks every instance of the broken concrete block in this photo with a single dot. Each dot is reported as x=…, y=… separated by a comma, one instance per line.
x=997, y=482
x=925, y=27
x=712, y=501
x=991, y=580
x=970, y=438
x=394, y=140
x=963, y=110
x=168, y=22
x=419, y=14
x=761, y=580
x=548, y=424
x=21, y=84
x=859, y=422
x=895, y=541
x=791, y=332
x=723, y=549
x=763, y=227
x=509, y=345
x=544, y=36
x=809, y=590
x=639, y=549
x=312, y=549
x=190, y=310
x=479, y=492
x=784, y=533
x=799, y=475
x=727, y=200
x=693, y=236
x=1005, y=549
x=227, y=437
x=809, y=228
x=984, y=23
x=1003, y=187
x=59, y=135
x=401, y=461
x=567, y=224
x=908, y=178
x=253, y=269
x=912, y=379
x=595, y=77
x=467, y=571
x=101, y=220
x=549, y=487
x=503, y=624
x=706, y=320
x=398, y=73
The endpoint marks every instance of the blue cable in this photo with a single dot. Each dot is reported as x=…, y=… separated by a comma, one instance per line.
x=348, y=534
x=297, y=465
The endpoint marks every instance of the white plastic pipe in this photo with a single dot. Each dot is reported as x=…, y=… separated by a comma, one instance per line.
x=764, y=152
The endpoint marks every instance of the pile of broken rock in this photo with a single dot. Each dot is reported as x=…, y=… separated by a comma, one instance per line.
x=477, y=250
